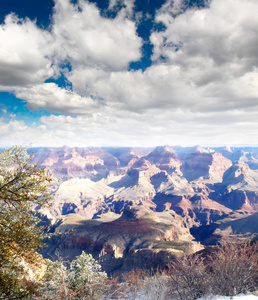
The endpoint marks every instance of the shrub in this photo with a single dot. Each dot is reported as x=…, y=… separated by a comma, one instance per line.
x=230, y=269
x=233, y=268
x=187, y=278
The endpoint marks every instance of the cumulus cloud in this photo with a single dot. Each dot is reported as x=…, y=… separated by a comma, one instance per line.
x=79, y=36
x=204, y=61
x=49, y=96
x=86, y=39
x=159, y=86
x=203, y=82
x=215, y=46
x=128, y=5
x=24, y=53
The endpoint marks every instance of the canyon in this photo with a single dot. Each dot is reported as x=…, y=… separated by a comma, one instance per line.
x=138, y=207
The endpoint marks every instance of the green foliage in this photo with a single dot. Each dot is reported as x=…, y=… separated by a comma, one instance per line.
x=55, y=282
x=83, y=279
x=22, y=186
x=86, y=275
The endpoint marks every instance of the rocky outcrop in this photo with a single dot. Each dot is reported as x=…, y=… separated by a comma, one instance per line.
x=158, y=198
x=165, y=159
x=207, y=166
x=114, y=240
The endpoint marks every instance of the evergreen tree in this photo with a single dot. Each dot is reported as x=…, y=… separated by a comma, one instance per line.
x=86, y=277
x=81, y=279
x=23, y=186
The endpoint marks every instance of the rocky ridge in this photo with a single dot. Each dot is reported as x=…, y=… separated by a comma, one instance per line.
x=124, y=203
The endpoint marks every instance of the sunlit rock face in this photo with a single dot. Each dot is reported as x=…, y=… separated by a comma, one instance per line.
x=127, y=202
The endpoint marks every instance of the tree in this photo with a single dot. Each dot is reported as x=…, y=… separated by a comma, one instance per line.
x=87, y=278
x=55, y=283
x=81, y=279
x=23, y=186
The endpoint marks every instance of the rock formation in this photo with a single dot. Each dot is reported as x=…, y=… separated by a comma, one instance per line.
x=124, y=203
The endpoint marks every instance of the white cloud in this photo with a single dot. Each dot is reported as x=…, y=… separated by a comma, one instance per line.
x=205, y=90
x=128, y=5
x=18, y=133
x=24, y=50
x=151, y=128
x=160, y=86
x=49, y=96
x=79, y=35
x=86, y=39
x=212, y=44
x=172, y=8
x=211, y=64
x=154, y=128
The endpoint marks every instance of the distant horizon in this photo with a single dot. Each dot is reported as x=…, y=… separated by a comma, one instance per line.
x=206, y=147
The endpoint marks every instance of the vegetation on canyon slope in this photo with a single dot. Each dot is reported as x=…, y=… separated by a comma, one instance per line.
x=22, y=186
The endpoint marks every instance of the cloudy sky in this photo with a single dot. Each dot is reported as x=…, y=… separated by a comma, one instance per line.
x=128, y=72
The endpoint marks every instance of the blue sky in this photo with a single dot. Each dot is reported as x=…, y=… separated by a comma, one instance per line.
x=128, y=73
